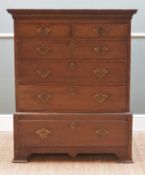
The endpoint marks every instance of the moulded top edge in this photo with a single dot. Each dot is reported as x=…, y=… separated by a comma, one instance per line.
x=61, y=12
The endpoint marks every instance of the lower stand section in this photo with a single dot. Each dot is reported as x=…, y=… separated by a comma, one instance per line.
x=72, y=134
x=120, y=153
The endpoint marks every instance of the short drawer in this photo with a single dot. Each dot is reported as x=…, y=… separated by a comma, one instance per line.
x=42, y=30
x=97, y=49
x=73, y=98
x=101, y=30
x=69, y=132
x=71, y=72
x=37, y=49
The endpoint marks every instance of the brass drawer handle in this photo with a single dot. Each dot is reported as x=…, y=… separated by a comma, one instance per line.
x=43, y=133
x=43, y=30
x=101, y=49
x=44, y=97
x=43, y=50
x=102, y=132
x=43, y=73
x=100, y=31
x=101, y=98
x=101, y=73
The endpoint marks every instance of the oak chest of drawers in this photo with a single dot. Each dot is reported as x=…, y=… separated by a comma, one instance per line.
x=72, y=82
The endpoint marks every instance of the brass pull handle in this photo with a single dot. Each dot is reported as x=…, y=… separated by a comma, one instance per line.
x=100, y=31
x=44, y=73
x=72, y=66
x=44, y=97
x=101, y=73
x=43, y=50
x=73, y=125
x=101, y=49
x=43, y=30
x=43, y=133
x=101, y=98
x=102, y=132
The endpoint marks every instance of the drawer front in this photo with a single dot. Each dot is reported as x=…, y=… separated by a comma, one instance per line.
x=71, y=72
x=44, y=50
x=72, y=133
x=44, y=30
x=72, y=98
x=81, y=49
x=100, y=30
x=91, y=49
